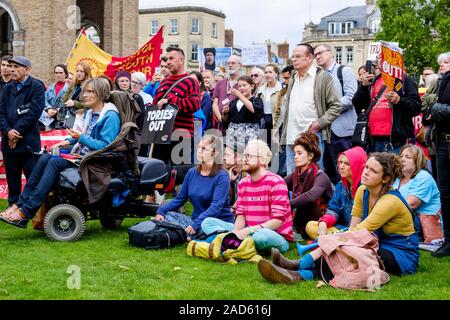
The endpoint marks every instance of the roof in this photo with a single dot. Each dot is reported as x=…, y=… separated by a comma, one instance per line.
x=182, y=9
x=358, y=14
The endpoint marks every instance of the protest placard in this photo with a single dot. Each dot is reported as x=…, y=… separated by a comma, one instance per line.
x=392, y=66
x=214, y=59
x=375, y=50
x=255, y=55
x=158, y=124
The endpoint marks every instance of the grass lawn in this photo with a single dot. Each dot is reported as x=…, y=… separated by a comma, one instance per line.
x=32, y=267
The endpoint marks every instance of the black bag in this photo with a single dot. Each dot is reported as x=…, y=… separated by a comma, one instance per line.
x=155, y=234
x=361, y=134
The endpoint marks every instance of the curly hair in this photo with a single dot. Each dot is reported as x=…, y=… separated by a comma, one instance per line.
x=392, y=168
x=310, y=142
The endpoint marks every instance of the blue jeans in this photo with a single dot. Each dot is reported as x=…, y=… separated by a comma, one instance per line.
x=264, y=238
x=383, y=145
x=290, y=165
x=43, y=179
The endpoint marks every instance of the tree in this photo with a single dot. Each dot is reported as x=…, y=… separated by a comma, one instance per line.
x=421, y=27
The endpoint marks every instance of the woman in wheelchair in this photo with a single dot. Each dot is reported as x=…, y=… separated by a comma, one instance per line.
x=101, y=127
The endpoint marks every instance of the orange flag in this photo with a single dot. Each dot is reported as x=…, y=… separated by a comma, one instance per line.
x=145, y=60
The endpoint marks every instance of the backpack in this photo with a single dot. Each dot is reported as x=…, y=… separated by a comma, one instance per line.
x=224, y=247
x=352, y=258
x=154, y=234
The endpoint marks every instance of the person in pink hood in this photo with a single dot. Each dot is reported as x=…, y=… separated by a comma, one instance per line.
x=338, y=215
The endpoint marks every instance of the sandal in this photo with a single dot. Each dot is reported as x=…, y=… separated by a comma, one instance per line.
x=8, y=211
x=16, y=218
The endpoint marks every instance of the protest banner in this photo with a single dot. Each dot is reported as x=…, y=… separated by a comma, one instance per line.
x=392, y=66
x=219, y=62
x=255, y=55
x=158, y=124
x=145, y=60
x=48, y=139
x=375, y=50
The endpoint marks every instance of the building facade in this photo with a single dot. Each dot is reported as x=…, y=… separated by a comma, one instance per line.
x=188, y=28
x=348, y=31
x=45, y=31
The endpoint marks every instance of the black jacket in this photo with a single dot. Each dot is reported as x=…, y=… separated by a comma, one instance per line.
x=30, y=102
x=404, y=112
x=441, y=110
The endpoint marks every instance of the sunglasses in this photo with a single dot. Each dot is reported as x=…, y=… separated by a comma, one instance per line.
x=254, y=75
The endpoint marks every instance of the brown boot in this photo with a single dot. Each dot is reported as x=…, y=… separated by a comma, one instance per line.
x=279, y=260
x=275, y=274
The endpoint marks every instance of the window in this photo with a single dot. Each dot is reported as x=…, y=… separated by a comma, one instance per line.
x=194, y=53
x=336, y=28
x=173, y=26
x=154, y=27
x=349, y=55
x=195, y=26
x=214, y=30
x=338, y=56
x=376, y=26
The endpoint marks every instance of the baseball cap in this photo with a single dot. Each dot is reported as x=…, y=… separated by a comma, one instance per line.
x=24, y=62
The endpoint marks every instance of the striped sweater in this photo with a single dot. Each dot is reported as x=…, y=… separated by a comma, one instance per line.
x=185, y=95
x=264, y=200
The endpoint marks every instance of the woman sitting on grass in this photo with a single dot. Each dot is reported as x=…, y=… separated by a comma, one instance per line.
x=101, y=127
x=420, y=190
x=311, y=188
x=205, y=186
x=377, y=209
x=339, y=213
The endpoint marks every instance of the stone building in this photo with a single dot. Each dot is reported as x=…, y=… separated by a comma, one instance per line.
x=46, y=30
x=348, y=31
x=187, y=27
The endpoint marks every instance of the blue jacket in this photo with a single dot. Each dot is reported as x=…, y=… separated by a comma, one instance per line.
x=340, y=206
x=30, y=101
x=105, y=130
x=51, y=99
x=151, y=88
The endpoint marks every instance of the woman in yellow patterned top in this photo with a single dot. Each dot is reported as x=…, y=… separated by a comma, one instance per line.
x=377, y=208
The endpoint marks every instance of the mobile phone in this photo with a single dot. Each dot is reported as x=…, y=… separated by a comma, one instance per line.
x=158, y=70
x=369, y=66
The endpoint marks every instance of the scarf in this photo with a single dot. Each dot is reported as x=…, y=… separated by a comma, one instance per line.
x=303, y=182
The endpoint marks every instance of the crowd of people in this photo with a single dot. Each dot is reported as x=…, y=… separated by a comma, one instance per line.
x=275, y=160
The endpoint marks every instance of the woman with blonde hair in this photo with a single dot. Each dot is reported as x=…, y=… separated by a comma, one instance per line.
x=421, y=192
x=72, y=98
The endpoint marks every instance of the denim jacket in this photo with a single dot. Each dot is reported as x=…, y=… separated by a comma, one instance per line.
x=340, y=206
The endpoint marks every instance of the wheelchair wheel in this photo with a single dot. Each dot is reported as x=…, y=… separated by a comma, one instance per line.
x=64, y=222
x=110, y=222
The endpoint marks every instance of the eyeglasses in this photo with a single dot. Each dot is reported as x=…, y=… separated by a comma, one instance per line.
x=320, y=52
x=246, y=155
x=254, y=75
x=136, y=82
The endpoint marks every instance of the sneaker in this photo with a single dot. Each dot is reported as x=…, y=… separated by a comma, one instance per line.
x=443, y=251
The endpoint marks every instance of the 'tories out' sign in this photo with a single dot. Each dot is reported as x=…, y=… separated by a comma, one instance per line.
x=392, y=66
x=158, y=124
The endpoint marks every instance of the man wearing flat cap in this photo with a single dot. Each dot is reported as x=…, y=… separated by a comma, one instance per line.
x=21, y=105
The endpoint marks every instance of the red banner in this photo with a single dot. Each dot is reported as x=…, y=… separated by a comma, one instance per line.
x=48, y=138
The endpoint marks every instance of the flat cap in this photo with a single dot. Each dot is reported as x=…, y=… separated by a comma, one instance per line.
x=20, y=60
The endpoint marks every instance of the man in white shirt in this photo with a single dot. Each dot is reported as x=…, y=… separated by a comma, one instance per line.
x=312, y=102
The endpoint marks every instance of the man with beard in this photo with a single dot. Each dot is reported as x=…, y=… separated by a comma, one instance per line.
x=263, y=210
x=210, y=58
x=222, y=93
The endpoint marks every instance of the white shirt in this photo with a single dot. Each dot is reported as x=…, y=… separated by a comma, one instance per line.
x=148, y=99
x=302, y=107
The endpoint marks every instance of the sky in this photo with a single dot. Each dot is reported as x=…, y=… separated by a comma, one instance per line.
x=255, y=21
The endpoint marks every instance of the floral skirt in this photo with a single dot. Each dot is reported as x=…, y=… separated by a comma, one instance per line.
x=242, y=133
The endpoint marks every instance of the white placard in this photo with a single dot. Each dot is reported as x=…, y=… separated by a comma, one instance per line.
x=255, y=55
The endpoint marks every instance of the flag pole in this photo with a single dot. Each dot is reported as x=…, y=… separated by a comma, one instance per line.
x=74, y=45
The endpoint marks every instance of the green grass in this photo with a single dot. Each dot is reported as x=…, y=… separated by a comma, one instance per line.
x=32, y=267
